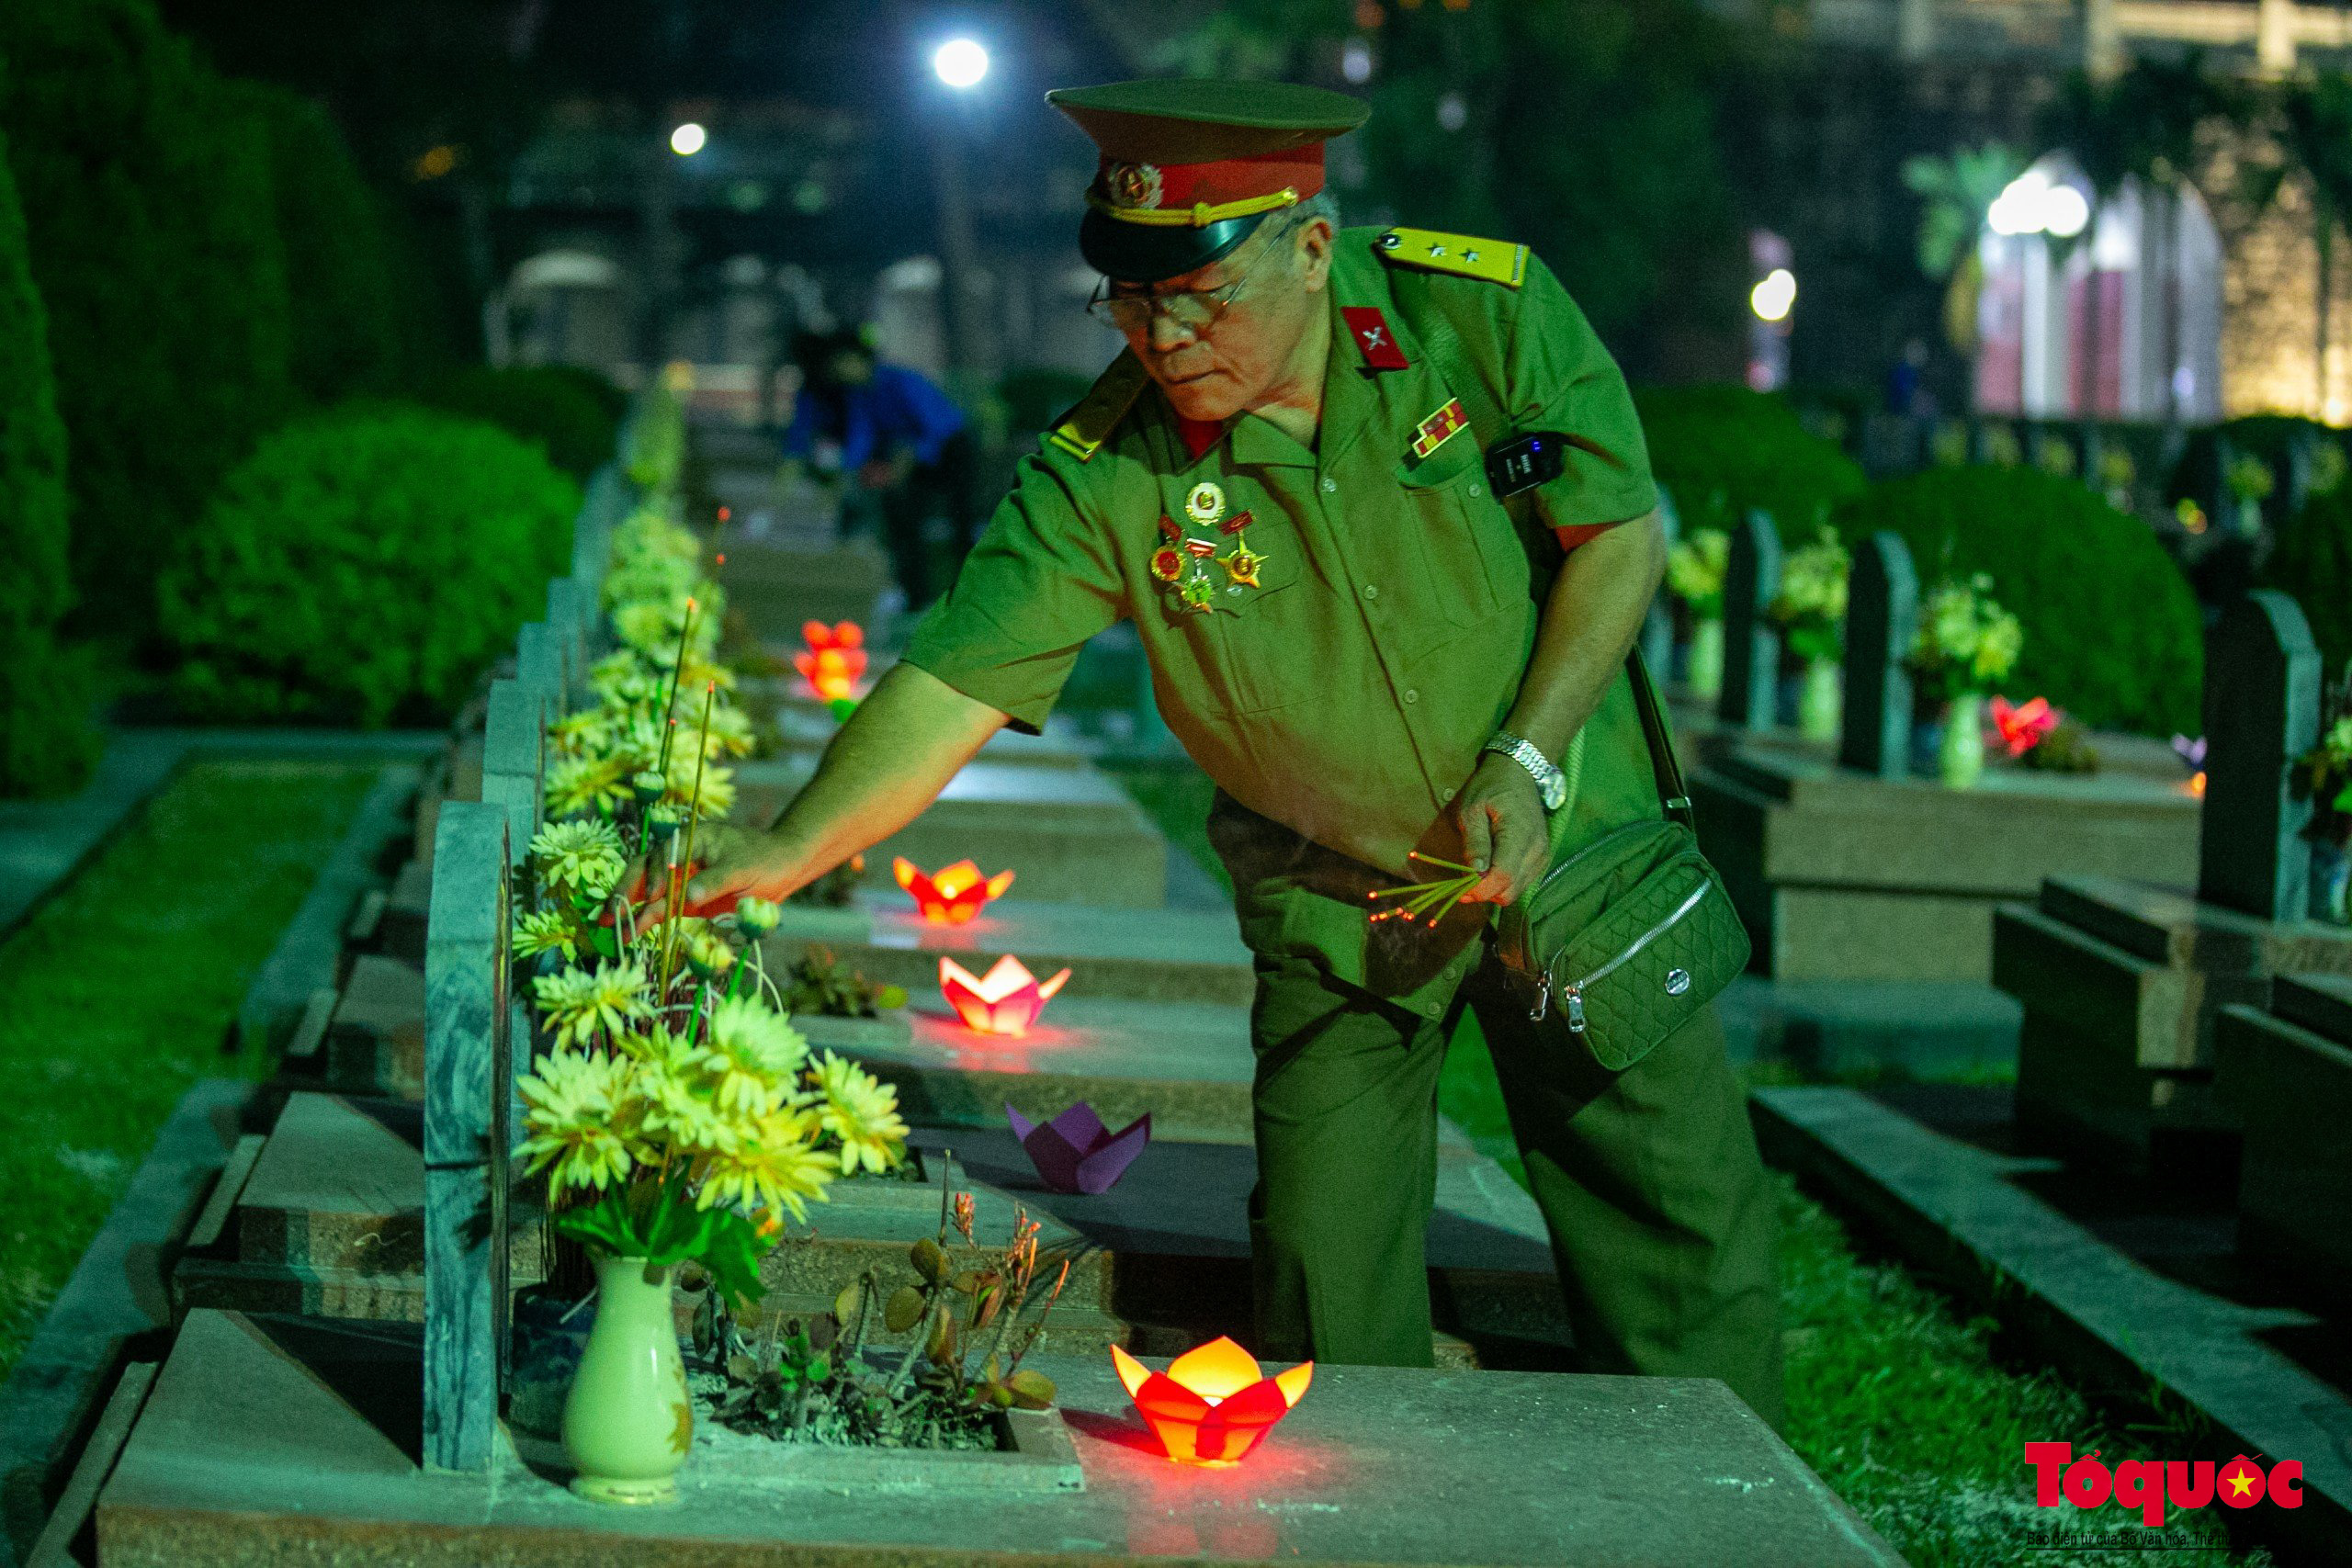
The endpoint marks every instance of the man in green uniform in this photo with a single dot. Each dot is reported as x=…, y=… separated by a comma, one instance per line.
x=1371, y=653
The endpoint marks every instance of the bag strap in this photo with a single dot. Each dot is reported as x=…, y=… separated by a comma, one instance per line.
x=1443, y=346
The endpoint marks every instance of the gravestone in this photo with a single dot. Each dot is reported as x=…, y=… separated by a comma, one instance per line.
x=2288, y=1076
x=1751, y=648
x=565, y=621
x=468, y=1097
x=2262, y=695
x=539, y=666
x=1881, y=623
x=514, y=761
x=2123, y=982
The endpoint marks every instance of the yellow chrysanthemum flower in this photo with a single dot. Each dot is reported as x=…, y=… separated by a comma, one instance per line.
x=576, y=1004
x=579, y=857
x=679, y=1108
x=755, y=1050
x=569, y=1113
x=862, y=1112
x=774, y=1171
x=715, y=797
x=544, y=930
x=577, y=785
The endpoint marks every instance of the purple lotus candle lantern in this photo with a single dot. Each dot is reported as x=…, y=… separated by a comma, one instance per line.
x=1075, y=1153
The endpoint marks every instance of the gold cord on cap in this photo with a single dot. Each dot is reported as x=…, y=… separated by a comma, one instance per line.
x=1201, y=214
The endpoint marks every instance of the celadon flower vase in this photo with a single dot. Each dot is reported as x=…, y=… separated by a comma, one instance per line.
x=1704, y=673
x=1960, y=758
x=1821, y=701
x=628, y=1422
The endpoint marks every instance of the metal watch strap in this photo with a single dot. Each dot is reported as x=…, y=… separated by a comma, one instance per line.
x=1528, y=755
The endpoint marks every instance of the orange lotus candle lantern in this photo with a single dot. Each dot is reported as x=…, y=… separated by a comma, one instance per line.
x=952, y=895
x=2024, y=726
x=833, y=660
x=1007, y=1001
x=1214, y=1403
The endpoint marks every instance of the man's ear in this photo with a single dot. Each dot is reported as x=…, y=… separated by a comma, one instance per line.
x=1313, y=241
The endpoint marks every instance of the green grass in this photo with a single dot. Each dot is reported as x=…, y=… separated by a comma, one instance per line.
x=121, y=990
x=1898, y=1397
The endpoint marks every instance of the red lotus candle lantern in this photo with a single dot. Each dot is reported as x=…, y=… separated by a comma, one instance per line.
x=1006, y=1001
x=1214, y=1403
x=833, y=660
x=952, y=895
x=2024, y=726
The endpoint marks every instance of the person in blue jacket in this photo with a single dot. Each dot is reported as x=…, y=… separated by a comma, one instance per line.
x=895, y=434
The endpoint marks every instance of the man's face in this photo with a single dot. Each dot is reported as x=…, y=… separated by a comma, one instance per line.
x=1214, y=370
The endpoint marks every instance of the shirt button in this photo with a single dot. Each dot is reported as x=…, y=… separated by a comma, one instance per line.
x=1411, y=696
x=1475, y=491
x=1445, y=797
x=1329, y=485
x=1372, y=590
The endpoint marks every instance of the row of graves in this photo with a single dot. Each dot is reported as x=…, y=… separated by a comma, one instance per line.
x=976, y=1288
x=2163, y=1198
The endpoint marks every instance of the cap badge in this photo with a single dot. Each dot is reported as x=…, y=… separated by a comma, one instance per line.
x=1205, y=503
x=1132, y=185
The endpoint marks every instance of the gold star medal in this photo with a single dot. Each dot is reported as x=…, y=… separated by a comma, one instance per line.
x=1194, y=591
x=1242, y=564
x=1205, y=503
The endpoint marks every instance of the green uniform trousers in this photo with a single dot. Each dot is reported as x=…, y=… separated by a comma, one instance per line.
x=1662, y=1221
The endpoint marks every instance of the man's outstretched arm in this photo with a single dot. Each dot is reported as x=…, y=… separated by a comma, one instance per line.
x=889, y=762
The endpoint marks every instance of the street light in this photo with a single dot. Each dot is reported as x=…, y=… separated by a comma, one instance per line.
x=688, y=140
x=1771, y=297
x=960, y=62
x=2030, y=204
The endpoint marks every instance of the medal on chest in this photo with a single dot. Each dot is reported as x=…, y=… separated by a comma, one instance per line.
x=1183, y=558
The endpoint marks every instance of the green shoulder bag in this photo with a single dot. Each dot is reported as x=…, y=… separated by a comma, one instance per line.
x=1627, y=939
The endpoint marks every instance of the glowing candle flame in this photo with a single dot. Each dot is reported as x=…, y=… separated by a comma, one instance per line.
x=1007, y=1001
x=1214, y=1403
x=952, y=895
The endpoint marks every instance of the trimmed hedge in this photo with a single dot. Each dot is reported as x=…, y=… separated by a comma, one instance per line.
x=46, y=742
x=156, y=246
x=1723, y=449
x=346, y=316
x=362, y=568
x=2314, y=562
x=544, y=405
x=2112, y=633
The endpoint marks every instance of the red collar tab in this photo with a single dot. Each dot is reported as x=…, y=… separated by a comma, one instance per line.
x=1375, y=337
x=1199, y=434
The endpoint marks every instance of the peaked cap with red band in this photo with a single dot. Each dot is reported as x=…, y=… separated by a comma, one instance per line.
x=1190, y=168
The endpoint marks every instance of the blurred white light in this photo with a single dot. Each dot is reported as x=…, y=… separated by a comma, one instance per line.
x=2064, y=212
x=1771, y=298
x=1355, y=59
x=2018, y=209
x=1452, y=113
x=688, y=140
x=960, y=62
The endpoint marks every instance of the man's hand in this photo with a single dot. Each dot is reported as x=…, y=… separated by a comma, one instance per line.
x=730, y=862
x=1503, y=830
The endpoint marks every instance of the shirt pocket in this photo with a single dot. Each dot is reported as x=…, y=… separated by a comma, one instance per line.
x=1257, y=648
x=1463, y=553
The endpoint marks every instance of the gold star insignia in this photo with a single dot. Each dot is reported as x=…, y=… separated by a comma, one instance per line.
x=1242, y=565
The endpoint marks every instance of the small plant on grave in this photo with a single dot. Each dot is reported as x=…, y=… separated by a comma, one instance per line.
x=821, y=1379
x=1810, y=608
x=1694, y=571
x=2323, y=774
x=835, y=888
x=1967, y=643
x=819, y=981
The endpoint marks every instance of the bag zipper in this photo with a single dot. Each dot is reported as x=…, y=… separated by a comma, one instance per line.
x=1572, y=995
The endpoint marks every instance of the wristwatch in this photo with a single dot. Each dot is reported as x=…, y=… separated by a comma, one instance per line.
x=1549, y=781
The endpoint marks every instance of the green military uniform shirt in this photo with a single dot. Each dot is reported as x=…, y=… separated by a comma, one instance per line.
x=1340, y=702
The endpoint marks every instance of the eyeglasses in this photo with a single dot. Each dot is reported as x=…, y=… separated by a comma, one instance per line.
x=1190, y=309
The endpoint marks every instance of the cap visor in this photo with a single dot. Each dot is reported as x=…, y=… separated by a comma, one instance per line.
x=1152, y=253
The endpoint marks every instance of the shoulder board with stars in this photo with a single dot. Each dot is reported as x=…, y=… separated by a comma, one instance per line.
x=1496, y=261
x=1081, y=431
